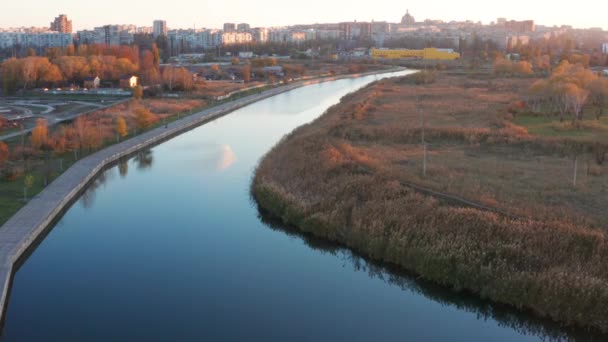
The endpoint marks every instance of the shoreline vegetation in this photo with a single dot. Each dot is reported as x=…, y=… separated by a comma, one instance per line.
x=448, y=176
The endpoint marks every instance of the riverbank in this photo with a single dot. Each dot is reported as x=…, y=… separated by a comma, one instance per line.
x=21, y=231
x=485, y=208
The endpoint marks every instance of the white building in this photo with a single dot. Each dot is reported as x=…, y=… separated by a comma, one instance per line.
x=230, y=38
x=211, y=38
x=328, y=34
x=191, y=38
x=605, y=48
x=86, y=37
x=160, y=28
x=260, y=34
x=288, y=36
x=23, y=38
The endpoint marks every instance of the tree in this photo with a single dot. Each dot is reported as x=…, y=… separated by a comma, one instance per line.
x=124, y=66
x=40, y=134
x=598, y=94
x=502, y=66
x=542, y=63
x=73, y=68
x=567, y=90
x=148, y=70
x=84, y=136
x=138, y=93
x=28, y=182
x=121, y=127
x=52, y=75
x=576, y=98
x=156, y=56
x=169, y=77
x=523, y=68
x=247, y=73
x=70, y=50
x=11, y=75
x=177, y=79
x=4, y=154
x=143, y=117
x=38, y=70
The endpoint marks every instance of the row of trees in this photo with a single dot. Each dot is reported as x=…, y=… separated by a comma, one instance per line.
x=504, y=67
x=568, y=90
x=177, y=79
x=67, y=67
x=84, y=134
x=564, y=47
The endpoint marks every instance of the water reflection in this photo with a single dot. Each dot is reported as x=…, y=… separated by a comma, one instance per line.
x=144, y=160
x=227, y=158
x=525, y=323
x=88, y=196
x=214, y=156
x=123, y=167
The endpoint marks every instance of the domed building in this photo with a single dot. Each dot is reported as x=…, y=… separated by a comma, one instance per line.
x=408, y=19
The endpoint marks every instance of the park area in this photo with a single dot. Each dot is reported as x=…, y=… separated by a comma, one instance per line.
x=30, y=161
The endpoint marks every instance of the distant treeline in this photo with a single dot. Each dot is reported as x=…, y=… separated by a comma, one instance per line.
x=72, y=65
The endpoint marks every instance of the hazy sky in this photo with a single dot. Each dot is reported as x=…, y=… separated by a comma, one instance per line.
x=212, y=14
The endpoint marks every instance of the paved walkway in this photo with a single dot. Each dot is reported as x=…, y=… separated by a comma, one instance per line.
x=21, y=231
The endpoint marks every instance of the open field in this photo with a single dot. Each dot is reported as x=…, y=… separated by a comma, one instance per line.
x=496, y=205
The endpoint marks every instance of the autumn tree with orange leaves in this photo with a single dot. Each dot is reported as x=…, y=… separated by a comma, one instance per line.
x=40, y=134
x=143, y=118
x=121, y=128
x=4, y=154
x=569, y=88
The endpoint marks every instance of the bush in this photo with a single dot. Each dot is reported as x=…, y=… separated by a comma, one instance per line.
x=420, y=78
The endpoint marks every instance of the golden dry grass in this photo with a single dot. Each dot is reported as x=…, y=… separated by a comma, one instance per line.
x=347, y=176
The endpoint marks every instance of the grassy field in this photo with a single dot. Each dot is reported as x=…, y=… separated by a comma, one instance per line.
x=592, y=129
x=496, y=208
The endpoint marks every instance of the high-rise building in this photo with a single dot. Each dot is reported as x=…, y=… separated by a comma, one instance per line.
x=243, y=27
x=229, y=27
x=525, y=26
x=260, y=34
x=160, y=28
x=62, y=24
x=230, y=38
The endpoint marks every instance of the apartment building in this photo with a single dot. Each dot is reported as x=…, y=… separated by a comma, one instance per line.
x=231, y=38
x=34, y=39
x=159, y=28
x=61, y=24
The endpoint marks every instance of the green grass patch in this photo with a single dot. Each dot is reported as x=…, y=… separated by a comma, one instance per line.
x=547, y=126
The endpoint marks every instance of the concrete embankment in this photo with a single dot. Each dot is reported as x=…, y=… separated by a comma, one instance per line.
x=23, y=230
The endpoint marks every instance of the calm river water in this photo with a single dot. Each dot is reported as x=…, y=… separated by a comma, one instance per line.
x=168, y=246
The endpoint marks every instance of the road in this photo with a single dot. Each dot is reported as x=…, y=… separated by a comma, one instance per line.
x=55, y=118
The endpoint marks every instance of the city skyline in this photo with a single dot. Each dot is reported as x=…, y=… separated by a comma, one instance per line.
x=263, y=13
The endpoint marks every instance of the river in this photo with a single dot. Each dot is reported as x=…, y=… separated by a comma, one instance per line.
x=169, y=246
